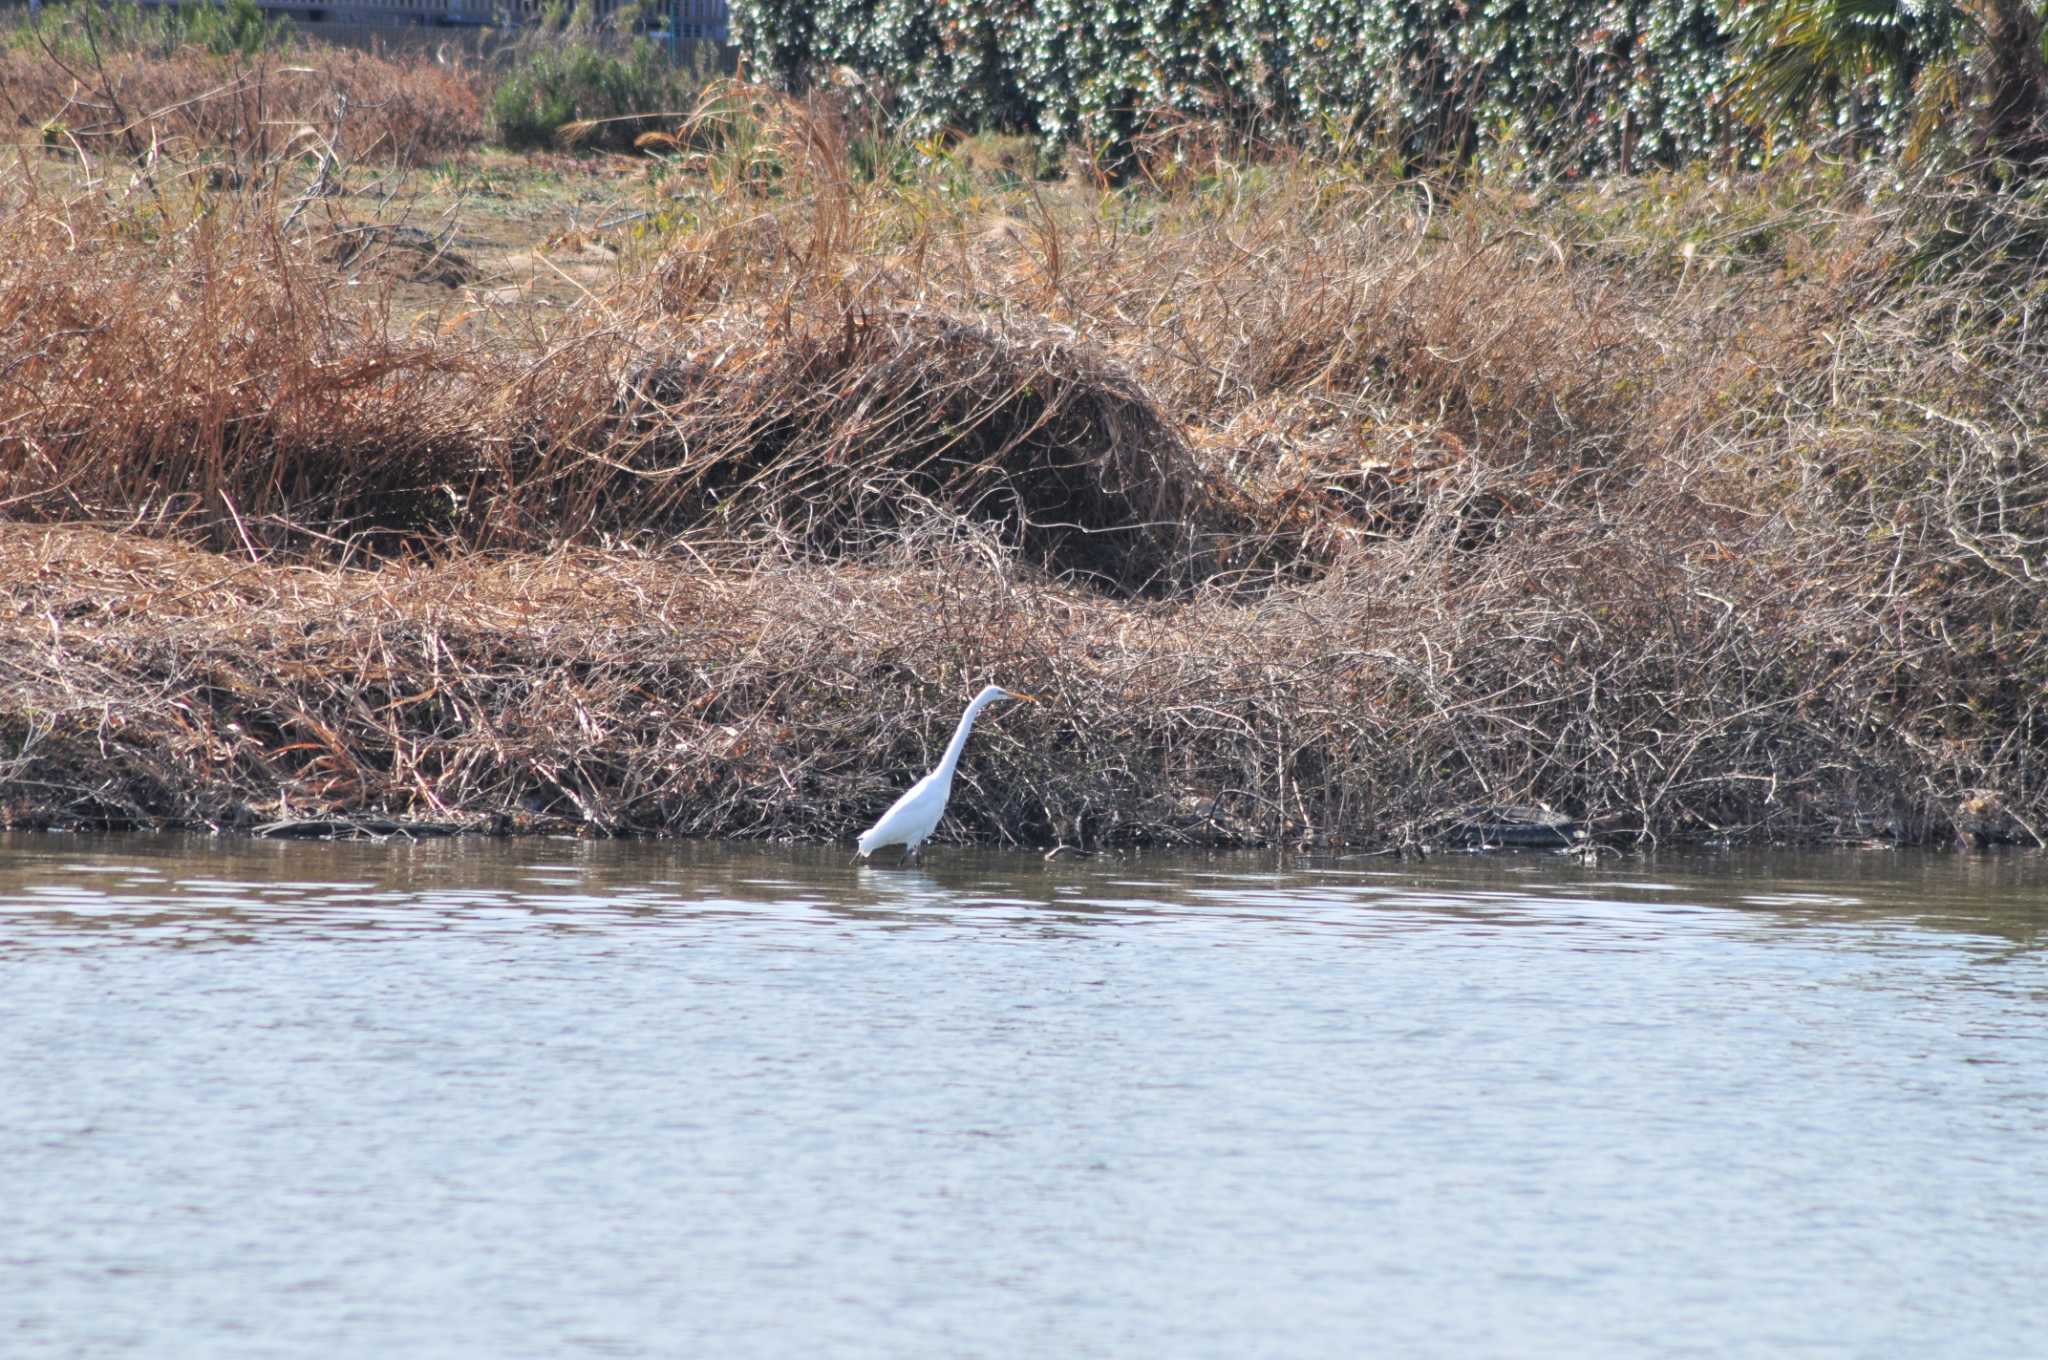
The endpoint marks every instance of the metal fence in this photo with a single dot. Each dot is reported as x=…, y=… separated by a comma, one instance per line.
x=687, y=20
x=704, y=19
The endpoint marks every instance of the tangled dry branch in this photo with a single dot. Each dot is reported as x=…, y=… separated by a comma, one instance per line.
x=1329, y=513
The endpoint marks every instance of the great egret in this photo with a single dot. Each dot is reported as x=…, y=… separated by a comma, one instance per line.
x=911, y=819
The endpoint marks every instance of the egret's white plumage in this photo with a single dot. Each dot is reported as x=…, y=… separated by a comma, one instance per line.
x=911, y=819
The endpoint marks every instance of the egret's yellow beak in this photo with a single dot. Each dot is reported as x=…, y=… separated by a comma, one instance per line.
x=1027, y=698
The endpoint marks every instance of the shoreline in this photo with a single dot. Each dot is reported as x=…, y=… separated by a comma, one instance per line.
x=151, y=684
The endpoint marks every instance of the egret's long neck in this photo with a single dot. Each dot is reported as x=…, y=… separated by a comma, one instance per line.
x=959, y=742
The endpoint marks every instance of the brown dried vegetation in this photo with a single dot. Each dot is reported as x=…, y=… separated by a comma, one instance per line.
x=189, y=107
x=1322, y=509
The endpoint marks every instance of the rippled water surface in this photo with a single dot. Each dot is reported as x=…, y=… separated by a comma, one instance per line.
x=567, y=1099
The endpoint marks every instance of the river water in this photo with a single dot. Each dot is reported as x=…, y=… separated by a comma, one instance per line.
x=553, y=1098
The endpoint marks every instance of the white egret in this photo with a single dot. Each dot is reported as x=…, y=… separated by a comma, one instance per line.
x=911, y=819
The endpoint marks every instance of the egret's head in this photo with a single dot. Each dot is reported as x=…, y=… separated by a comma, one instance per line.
x=995, y=692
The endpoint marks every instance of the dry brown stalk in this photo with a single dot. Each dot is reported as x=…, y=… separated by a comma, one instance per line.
x=193, y=106
x=1325, y=511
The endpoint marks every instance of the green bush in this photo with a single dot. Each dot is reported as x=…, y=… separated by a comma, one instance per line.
x=223, y=27
x=230, y=26
x=553, y=85
x=1572, y=84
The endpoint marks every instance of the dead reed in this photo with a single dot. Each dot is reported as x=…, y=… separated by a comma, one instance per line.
x=145, y=682
x=1326, y=509
x=192, y=107
x=184, y=370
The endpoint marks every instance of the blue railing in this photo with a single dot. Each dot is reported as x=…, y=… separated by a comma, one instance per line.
x=699, y=20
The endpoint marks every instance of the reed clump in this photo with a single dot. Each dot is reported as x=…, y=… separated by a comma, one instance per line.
x=835, y=433
x=187, y=370
x=1324, y=508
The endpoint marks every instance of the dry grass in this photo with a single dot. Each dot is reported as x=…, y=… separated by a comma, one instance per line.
x=193, y=107
x=145, y=682
x=205, y=374
x=1325, y=509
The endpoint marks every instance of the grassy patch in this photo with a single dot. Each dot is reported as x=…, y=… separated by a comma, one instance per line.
x=571, y=89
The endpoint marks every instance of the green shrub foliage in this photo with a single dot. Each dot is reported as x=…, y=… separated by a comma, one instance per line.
x=74, y=30
x=565, y=79
x=1574, y=84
